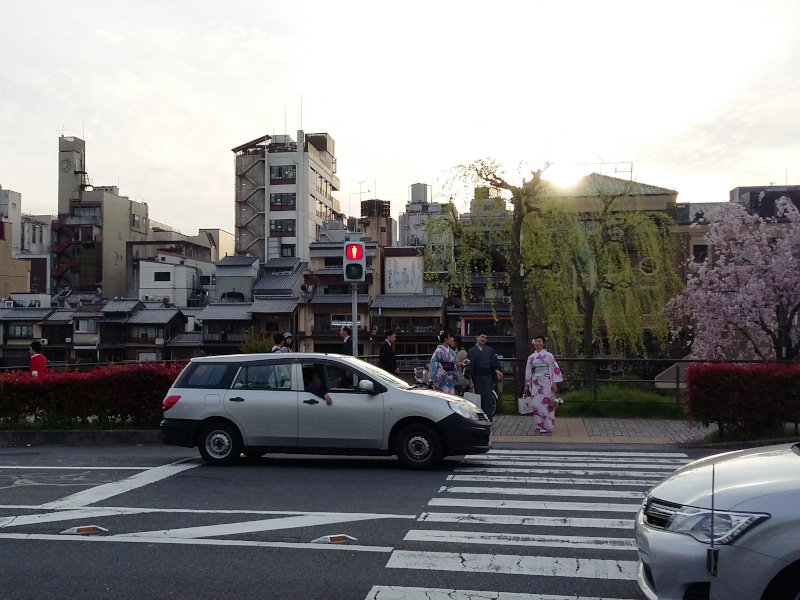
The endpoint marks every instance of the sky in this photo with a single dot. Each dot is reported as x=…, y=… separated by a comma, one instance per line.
x=700, y=96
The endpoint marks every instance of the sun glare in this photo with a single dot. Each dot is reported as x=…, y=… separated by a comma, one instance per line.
x=564, y=175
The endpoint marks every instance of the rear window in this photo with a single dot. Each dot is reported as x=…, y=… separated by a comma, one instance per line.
x=206, y=375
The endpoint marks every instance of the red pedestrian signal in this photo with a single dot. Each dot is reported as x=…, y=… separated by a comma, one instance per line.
x=355, y=264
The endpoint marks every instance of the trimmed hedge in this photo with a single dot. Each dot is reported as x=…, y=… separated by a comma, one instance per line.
x=106, y=397
x=747, y=399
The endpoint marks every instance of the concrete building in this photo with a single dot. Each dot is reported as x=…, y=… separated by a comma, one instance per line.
x=11, y=212
x=15, y=274
x=236, y=278
x=94, y=224
x=284, y=193
x=418, y=212
x=176, y=279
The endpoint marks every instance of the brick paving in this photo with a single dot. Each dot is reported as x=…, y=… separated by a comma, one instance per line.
x=521, y=428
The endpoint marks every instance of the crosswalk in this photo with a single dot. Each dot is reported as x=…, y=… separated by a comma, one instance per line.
x=555, y=525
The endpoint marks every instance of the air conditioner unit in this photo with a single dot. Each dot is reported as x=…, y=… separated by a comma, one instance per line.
x=159, y=341
x=67, y=340
x=43, y=341
x=615, y=368
x=506, y=299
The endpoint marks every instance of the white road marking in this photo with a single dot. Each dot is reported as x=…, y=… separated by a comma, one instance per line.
x=260, y=525
x=68, y=515
x=564, y=471
x=540, y=492
x=581, y=453
x=575, y=464
x=393, y=592
x=77, y=468
x=514, y=565
x=532, y=505
x=199, y=511
x=645, y=458
x=108, y=490
x=192, y=542
x=488, y=519
x=520, y=539
x=554, y=480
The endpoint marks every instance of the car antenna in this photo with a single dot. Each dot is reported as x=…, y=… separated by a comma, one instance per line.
x=712, y=554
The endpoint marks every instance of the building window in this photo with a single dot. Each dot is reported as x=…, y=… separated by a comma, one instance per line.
x=143, y=356
x=288, y=250
x=135, y=221
x=700, y=252
x=161, y=276
x=339, y=321
x=146, y=332
x=289, y=199
x=282, y=226
x=284, y=173
x=20, y=331
x=205, y=279
x=85, y=326
x=86, y=211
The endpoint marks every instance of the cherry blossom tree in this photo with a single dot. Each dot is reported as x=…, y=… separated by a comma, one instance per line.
x=743, y=302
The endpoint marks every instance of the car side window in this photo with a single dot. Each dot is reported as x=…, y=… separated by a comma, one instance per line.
x=340, y=379
x=206, y=375
x=264, y=377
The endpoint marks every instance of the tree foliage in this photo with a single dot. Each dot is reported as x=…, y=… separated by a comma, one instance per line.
x=744, y=302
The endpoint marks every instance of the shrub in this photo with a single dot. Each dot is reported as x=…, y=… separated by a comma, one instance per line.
x=105, y=397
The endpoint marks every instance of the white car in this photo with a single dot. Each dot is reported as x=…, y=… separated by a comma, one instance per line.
x=317, y=404
x=754, y=514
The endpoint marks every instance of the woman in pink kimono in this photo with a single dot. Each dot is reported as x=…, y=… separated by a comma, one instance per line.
x=542, y=376
x=442, y=372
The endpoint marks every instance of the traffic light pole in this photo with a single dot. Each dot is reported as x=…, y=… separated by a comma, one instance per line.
x=354, y=287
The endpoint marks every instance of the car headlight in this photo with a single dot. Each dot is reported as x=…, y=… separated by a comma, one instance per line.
x=727, y=526
x=462, y=410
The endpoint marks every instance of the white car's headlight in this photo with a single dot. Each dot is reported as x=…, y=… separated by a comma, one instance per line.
x=462, y=410
x=727, y=526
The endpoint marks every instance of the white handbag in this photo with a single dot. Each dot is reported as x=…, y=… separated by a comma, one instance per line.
x=473, y=397
x=525, y=405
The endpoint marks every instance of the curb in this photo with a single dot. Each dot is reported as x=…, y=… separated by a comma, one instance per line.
x=80, y=437
x=740, y=445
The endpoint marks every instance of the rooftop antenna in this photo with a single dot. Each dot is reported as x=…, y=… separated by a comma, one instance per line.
x=61, y=130
x=284, y=119
x=301, y=111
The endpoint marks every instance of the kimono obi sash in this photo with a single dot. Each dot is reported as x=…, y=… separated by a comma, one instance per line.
x=448, y=365
x=539, y=368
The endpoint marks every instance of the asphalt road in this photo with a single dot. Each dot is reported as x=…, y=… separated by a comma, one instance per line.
x=520, y=520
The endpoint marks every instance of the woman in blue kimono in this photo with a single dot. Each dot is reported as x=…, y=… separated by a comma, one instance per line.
x=442, y=372
x=542, y=376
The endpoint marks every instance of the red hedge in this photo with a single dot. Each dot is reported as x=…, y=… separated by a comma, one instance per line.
x=745, y=398
x=105, y=397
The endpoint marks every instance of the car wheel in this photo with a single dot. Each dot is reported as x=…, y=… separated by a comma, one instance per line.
x=786, y=586
x=220, y=444
x=419, y=446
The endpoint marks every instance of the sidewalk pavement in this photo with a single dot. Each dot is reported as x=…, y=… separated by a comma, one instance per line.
x=521, y=428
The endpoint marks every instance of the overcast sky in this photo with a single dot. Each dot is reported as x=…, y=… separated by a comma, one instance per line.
x=701, y=96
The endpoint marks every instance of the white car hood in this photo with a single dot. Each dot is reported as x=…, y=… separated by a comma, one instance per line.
x=738, y=477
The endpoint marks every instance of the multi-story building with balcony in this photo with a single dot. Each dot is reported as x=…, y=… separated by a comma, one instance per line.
x=93, y=226
x=284, y=193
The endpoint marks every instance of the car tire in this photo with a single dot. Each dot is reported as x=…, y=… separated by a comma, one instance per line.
x=220, y=444
x=786, y=586
x=419, y=447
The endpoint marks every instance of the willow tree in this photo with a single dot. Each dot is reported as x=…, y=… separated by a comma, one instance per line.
x=599, y=267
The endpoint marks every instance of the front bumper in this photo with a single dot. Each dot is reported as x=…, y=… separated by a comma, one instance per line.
x=670, y=563
x=465, y=436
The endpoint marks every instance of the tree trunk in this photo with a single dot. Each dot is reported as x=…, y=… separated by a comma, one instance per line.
x=589, y=372
x=519, y=309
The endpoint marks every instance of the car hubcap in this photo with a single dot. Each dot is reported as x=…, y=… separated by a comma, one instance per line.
x=419, y=447
x=218, y=444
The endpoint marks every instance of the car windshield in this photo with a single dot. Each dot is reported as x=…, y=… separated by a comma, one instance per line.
x=383, y=376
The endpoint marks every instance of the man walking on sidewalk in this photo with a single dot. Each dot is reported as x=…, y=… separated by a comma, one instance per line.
x=387, y=360
x=483, y=368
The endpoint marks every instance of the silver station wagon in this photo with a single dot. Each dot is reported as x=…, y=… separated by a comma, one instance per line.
x=312, y=403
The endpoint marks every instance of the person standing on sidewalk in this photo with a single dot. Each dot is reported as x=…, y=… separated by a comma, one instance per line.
x=38, y=362
x=442, y=371
x=386, y=359
x=542, y=376
x=483, y=369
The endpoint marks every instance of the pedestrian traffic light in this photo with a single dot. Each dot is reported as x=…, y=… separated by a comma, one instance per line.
x=355, y=263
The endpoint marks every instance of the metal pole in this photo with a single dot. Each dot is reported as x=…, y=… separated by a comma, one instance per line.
x=355, y=319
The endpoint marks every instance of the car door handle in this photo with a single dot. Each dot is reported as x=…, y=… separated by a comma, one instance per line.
x=236, y=399
x=311, y=401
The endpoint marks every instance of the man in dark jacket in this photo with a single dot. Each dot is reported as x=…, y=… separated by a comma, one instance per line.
x=347, y=341
x=483, y=368
x=387, y=360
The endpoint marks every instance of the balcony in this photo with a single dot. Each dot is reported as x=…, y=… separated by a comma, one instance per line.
x=225, y=337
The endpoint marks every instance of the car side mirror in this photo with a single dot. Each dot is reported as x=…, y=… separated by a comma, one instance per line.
x=365, y=385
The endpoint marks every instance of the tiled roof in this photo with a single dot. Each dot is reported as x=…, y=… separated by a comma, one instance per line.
x=153, y=316
x=408, y=301
x=285, y=262
x=237, y=261
x=188, y=338
x=192, y=312
x=277, y=284
x=26, y=314
x=235, y=311
x=472, y=309
x=274, y=306
x=339, y=299
x=153, y=304
x=595, y=185
x=121, y=305
x=60, y=315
